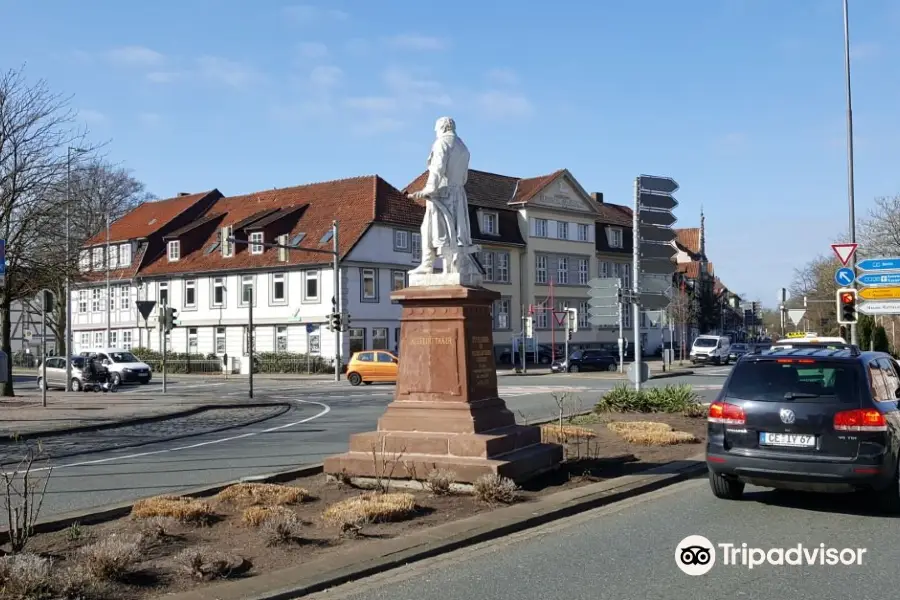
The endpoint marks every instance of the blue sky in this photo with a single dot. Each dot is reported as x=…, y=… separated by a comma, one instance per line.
x=741, y=101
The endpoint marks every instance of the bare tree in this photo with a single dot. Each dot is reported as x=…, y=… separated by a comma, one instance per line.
x=880, y=233
x=815, y=281
x=36, y=129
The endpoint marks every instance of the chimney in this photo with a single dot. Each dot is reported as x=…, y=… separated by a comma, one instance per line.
x=597, y=197
x=180, y=194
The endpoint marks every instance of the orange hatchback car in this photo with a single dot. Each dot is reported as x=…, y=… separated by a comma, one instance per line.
x=371, y=366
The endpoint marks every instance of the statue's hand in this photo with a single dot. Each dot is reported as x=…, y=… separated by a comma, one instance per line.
x=417, y=195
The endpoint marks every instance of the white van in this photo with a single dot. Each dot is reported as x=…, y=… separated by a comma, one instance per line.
x=711, y=349
x=124, y=367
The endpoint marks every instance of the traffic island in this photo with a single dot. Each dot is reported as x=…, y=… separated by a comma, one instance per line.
x=447, y=414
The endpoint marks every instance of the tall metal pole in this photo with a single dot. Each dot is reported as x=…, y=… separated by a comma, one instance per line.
x=620, y=302
x=250, y=336
x=163, y=319
x=635, y=281
x=68, y=275
x=108, y=289
x=854, y=339
x=336, y=268
x=44, y=348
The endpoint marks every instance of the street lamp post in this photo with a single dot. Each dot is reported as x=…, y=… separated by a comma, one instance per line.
x=69, y=152
x=854, y=339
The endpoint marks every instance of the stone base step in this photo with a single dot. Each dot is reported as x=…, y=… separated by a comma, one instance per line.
x=477, y=445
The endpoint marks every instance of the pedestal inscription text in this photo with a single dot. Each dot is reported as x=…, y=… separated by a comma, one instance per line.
x=482, y=352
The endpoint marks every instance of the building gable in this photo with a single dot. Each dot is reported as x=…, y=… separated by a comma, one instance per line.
x=564, y=193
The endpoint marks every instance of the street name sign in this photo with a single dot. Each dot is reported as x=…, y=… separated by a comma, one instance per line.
x=604, y=294
x=880, y=308
x=653, y=206
x=658, y=218
x=879, y=264
x=659, y=185
x=844, y=252
x=658, y=251
x=880, y=293
x=879, y=280
x=844, y=276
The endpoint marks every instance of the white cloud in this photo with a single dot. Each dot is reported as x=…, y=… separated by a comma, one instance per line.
x=412, y=41
x=372, y=103
x=503, y=105
x=307, y=13
x=502, y=77
x=312, y=50
x=325, y=77
x=136, y=56
x=379, y=126
x=414, y=90
x=227, y=72
x=89, y=115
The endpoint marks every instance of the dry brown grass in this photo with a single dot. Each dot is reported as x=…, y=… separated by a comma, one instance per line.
x=265, y=494
x=551, y=432
x=255, y=516
x=111, y=558
x=25, y=576
x=493, y=489
x=440, y=482
x=185, y=510
x=650, y=433
x=370, y=508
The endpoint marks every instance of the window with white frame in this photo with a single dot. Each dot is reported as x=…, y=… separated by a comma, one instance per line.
x=540, y=269
x=124, y=255
x=218, y=292
x=82, y=301
x=163, y=293
x=311, y=286
x=193, y=344
x=489, y=223
x=398, y=280
x=562, y=230
x=584, y=271
x=126, y=339
x=541, y=318
x=84, y=260
x=98, y=338
x=379, y=338
x=124, y=297
x=256, y=242
x=583, y=235
x=249, y=339
x=98, y=259
x=96, y=300
x=562, y=270
x=626, y=275
x=401, y=240
x=584, y=315
x=501, y=314
x=85, y=340
x=281, y=338
x=282, y=241
x=616, y=271
x=501, y=268
x=190, y=293
x=313, y=343
x=279, y=288
x=247, y=290
x=174, y=250
x=219, y=341
x=113, y=294
x=357, y=337
x=113, y=257
x=604, y=268
x=227, y=244
x=614, y=237
x=416, y=246
x=540, y=228
x=369, y=284
x=113, y=338
x=487, y=261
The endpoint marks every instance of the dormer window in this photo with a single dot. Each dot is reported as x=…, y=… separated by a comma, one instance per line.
x=489, y=223
x=256, y=242
x=227, y=244
x=98, y=259
x=113, y=257
x=614, y=237
x=125, y=255
x=174, y=250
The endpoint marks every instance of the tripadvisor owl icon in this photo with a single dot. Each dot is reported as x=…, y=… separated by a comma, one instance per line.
x=695, y=555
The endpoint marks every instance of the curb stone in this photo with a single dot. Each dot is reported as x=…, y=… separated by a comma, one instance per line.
x=12, y=439
x=380, y=556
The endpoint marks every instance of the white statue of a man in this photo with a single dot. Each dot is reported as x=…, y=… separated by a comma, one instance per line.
x=445, y=228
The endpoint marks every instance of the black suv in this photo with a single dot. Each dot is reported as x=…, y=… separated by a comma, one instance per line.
x=587, y=360
x=807, y=418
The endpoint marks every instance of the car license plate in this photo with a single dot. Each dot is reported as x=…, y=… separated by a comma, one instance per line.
x=793, y=440
x=143, y=374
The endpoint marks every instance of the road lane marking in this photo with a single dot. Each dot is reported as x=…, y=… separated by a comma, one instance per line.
x=325, y=410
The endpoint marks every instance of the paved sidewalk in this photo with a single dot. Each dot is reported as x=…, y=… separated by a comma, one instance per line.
x=24, y=415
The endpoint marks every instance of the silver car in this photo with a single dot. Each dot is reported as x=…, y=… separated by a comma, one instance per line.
x=56, y=373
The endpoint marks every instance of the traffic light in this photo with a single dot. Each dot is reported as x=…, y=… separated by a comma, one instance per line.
x=169, y=319
x=334, y=321
x=846, y=306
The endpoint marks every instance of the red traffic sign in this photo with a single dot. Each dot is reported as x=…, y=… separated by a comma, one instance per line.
x=844, y=252
x=561, y=316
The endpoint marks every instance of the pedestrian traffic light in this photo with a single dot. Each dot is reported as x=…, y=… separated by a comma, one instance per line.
x=846, y=306
x=170, y=319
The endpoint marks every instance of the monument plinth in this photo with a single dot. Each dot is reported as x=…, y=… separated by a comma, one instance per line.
x=446, y=413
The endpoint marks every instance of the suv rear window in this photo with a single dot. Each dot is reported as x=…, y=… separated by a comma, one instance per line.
x=786, y=379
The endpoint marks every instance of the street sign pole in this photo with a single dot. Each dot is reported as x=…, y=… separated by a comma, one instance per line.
x=44, y=309
x=636, y=287
x=621, y=306
x=162, y=344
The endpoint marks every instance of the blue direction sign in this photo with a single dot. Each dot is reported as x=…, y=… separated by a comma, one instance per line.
x=875, y=279
x=310, y=328
x=879, y=264
x=844, y=276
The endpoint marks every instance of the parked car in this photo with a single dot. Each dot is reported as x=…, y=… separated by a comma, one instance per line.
x=586, y=360
x=710, y=349
x=123, y=366
x=736, y=351
x=545, y=356
x=56, y=373
x=808, y=418
x=372, y=365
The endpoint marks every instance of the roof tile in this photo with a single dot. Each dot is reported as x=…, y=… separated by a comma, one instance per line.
x=149, y=218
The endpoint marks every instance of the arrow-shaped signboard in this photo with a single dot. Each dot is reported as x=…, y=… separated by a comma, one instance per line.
x=660, y=235
x=879, y=280
x=879, y=264
x=657, y=217
x=654, y=183
x=662, y=251
x=880, y=308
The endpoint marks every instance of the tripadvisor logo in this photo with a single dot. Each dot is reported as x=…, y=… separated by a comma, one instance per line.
x=696, y=555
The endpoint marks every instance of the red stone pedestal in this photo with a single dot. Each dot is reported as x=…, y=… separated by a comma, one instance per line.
x=446, y=413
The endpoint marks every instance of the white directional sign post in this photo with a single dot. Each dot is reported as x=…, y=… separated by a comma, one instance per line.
x=654, y=252
x=891, y=307
x=607, y=307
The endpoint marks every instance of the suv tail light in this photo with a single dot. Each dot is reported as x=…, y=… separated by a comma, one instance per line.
x=862, y=419
x=726, y=414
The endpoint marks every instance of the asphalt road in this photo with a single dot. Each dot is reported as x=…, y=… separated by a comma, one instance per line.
x=626, y=551
x=319, y=424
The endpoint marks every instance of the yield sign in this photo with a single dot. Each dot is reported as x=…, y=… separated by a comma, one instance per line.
x=844, y=252
x=795, y=314
x=561, y=316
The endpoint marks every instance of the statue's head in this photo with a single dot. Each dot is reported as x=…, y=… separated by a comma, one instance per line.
x=445, y=125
